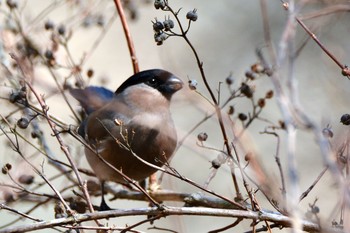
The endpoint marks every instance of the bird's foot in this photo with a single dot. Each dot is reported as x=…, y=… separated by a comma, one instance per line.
x=104, y=206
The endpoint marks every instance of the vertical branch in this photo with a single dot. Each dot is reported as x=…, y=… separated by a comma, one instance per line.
x=134, y=61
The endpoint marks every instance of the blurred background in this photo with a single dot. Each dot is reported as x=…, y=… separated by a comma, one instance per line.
x=226, y=36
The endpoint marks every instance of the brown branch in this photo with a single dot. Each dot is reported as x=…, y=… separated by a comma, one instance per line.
x=134, y=61
x=344, y=69
x=281, y=220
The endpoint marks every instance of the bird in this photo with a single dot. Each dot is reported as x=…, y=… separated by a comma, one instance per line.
x=133, y=120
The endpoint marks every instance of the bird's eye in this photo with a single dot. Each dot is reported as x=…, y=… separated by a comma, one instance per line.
x=152, y=82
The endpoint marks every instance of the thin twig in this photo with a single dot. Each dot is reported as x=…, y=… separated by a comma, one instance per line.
x=132, y=51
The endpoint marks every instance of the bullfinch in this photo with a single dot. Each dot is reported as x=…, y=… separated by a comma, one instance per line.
x=134, y=121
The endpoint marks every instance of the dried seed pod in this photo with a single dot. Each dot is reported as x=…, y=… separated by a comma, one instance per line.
x=26, y=179
x=231, y=110
x=269, y=94
x=23, y=123
x=158, y=26
x=261, y=103
x=246, y=90
x=192, y=15
x=49, y=25
x=192, y=84
x=202, y=137
x=168, y=24
x=345, y=119
x=242, y=116
x=159, y=4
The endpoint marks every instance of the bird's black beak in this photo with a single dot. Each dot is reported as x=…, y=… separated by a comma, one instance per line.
x=174, y=84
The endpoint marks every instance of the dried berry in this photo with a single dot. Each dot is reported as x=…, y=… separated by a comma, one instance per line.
x=261, y=103
x=49, y=25
x=257, y=68
x=242, y=116
x=6, y=168
x=159, y=4
x=345, y=119
x=202, y=137
x=231, y=110
x=168, y=24
x=282, y=124
x=158, y=26
x=248, y=156
x=192, y=84
x=61, y=30
x=14, y=97
x=250, y=75
x=215, y=163
x=192, y=15
x=26, y=179
x=229, y=80
x=23, y=123
x=315, y=209
x=269, y=94
x=48, y=54
x=159, y=37
x=90, y=73
x=246, y=90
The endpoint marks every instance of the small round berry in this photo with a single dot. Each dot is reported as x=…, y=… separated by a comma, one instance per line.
x=269, y=94
x=215, y=163
x=168, y=24
x=261, y=102
x=242, y=116
x=6, y=168
x=257, y=68
x=23, y=123
x=345, y=119
x=192, y=15
x=90, y=73
x=250, y=75
x=159, y=4
x=315, y=209
x=282, y=124
x=202, y=137
x=61, y=30
x=248, y=156
x=26, y=179
x=49, y=25
x=14, y=97
x=192, y=84
x=246, y=90
x=159, y=37
x=158, y=26
x=231, y=110
x=48, y=54
x=229, y=80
